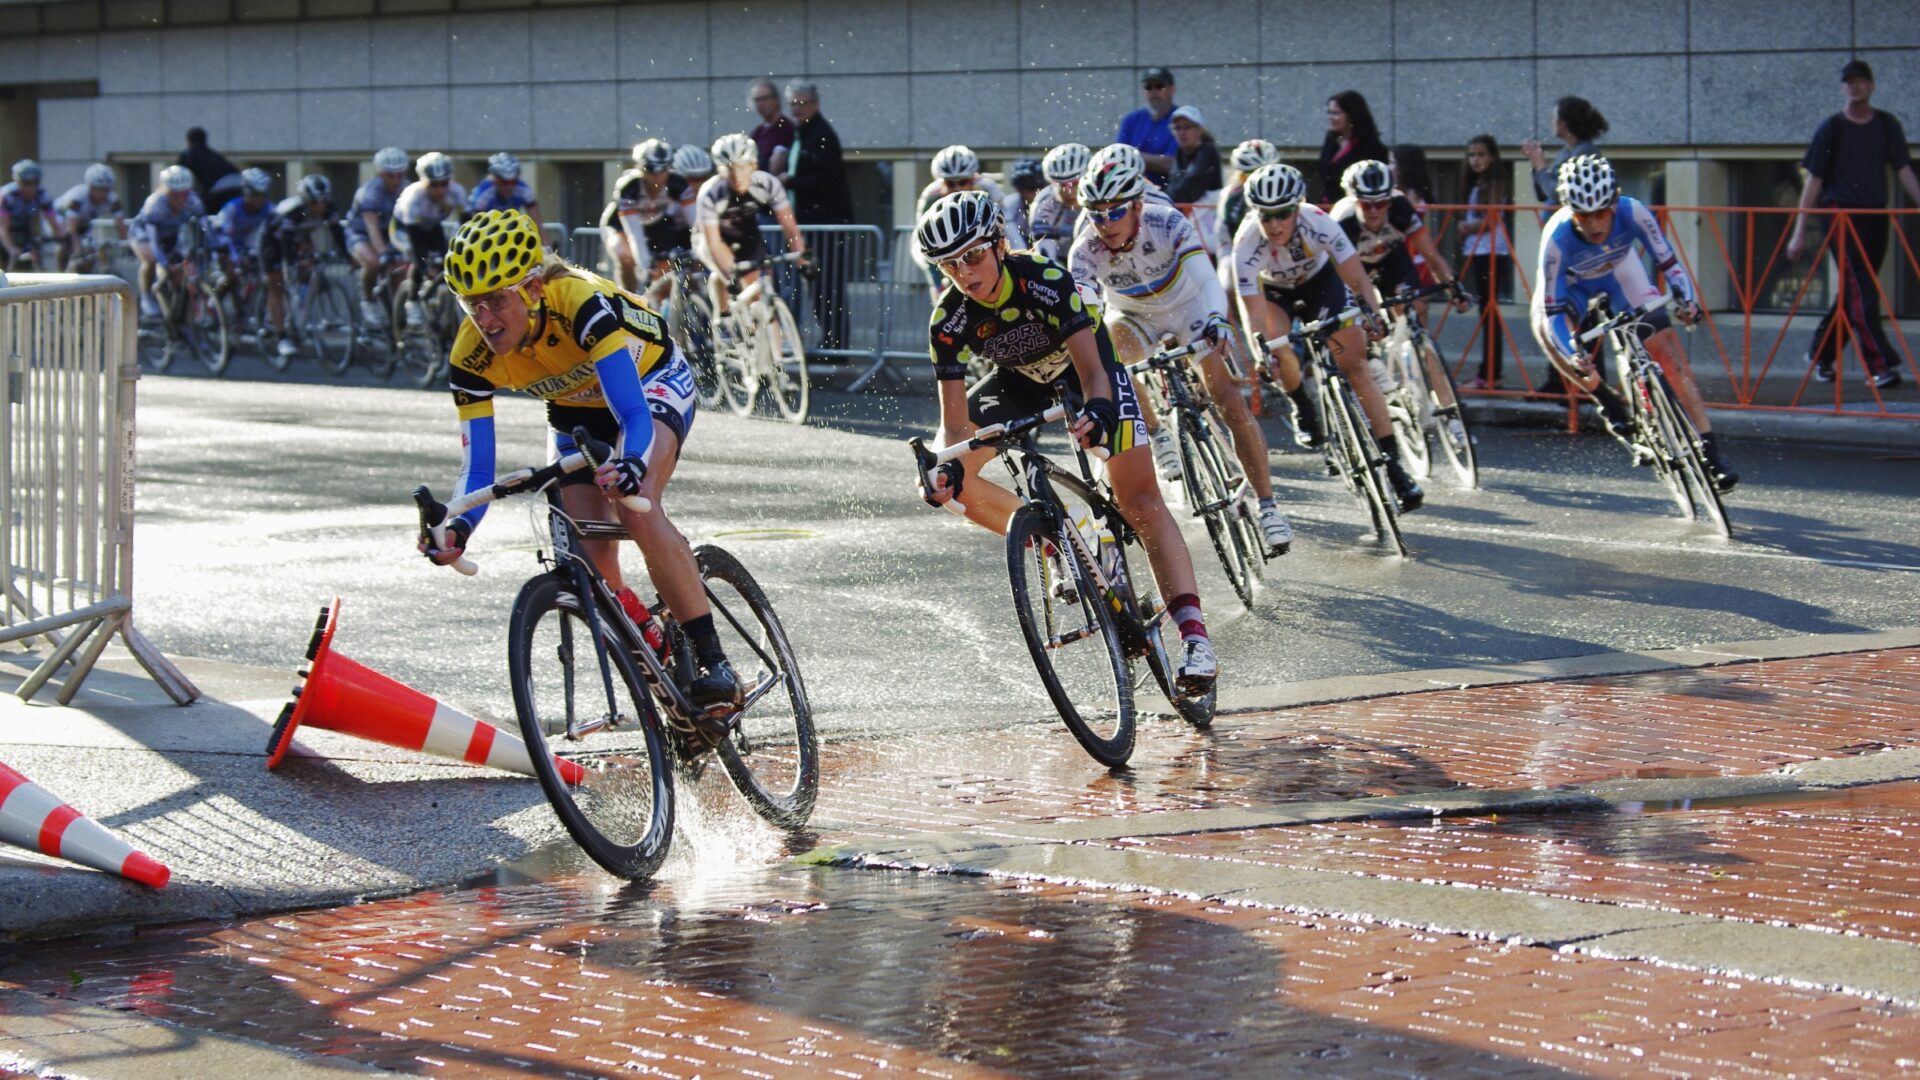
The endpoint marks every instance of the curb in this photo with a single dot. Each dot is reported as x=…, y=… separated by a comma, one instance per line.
x=1895, y=435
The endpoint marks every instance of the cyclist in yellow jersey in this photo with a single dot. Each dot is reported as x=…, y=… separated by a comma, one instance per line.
x=602, y=360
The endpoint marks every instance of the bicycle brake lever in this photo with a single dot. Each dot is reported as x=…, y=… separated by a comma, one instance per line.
x=928, y=465
x=433, y=518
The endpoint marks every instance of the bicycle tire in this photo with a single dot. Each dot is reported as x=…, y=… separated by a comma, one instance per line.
x=1209, y=496
x=735, y=360
x=1369, y=472
x=1029, y=573
x=772, y=759
x=1459, y=451
x=1694, y=474
x=1662, y=442
x=209, y=341
x=1404, y=406
x=593, y=811
x=330, y=323
x=785, y=355
x=693, y=315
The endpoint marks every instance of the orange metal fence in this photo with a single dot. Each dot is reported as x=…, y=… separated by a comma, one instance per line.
x=1756, y=298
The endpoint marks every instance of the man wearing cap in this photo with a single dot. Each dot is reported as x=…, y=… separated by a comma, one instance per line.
x=1149, y=129
x=1846, y=168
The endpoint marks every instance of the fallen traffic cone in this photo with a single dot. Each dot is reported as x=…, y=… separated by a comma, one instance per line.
x=349, y=697
x=32, y=818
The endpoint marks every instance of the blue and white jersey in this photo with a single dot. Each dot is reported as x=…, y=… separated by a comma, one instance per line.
x=374, y=197
x=1050, y=223
x=22, y=208
x=491, y=194
x=159, y=220
x=240, y=227
x=78, y=207
x=1573, y=271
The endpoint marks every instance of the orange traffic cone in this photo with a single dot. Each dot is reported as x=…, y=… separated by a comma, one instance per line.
x=32, y=818
x=345, y=696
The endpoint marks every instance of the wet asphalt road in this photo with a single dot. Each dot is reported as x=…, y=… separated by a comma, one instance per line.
x=261, y=500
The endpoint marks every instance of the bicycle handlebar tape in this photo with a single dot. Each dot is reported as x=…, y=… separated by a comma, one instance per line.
x=344, y=695
x=32, y=818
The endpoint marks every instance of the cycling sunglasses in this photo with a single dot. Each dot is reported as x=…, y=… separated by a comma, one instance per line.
x=1281, y=214
x=973, y=256
x=1111, y=214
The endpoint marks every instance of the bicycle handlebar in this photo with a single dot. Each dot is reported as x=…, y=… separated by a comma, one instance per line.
x=1402, y=299
x=1168, y=356
x=434, y=514
x=1634, y=314
x=1303, y=330
x=993, y=435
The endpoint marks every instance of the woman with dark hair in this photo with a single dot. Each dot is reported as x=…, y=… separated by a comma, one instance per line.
x=1351, y=136
x=1578, y=126
x=1483, y=248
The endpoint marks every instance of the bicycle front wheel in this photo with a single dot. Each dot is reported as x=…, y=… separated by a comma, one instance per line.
x=1450, y=421
x=1071, y=634
x=1650, y=392
x=620, y=811
x=693, y=315
x=1366, y=466
x=1690, y=462
x=786, y=358
x=1212, y=491
x=1405, y=404
x=207, y=330
x=773, y=755
x=328, y=321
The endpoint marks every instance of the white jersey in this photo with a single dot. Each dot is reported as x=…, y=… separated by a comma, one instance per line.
x=1164, y=271
x=418, y=207
x=1317, y=240
x=1013, y=211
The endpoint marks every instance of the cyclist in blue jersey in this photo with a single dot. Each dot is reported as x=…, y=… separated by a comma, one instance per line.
x=155, y=233
x=84, y=203
x=1587, y=251
x=504, y=190
x=367, y=220
x=242, y=222
x=22, y=203
x=290, y=236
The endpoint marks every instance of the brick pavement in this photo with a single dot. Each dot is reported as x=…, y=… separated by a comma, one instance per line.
x=775, y=971
x=822, y=972
x=1732, y=720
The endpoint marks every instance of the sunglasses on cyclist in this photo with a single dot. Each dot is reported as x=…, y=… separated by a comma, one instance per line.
x=1110, y=214
x=973, y=256
x=494, y=304
x=1281, y=214
x=1584, y=216
x=1376, y=204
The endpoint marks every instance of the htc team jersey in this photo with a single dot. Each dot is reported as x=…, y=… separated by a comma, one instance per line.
x=1164, y=269
x=1402, y=223
x=1317, y=240
x=738, y=212
x=1024, y=328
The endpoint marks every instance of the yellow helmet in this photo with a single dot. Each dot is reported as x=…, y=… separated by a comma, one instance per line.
x=493, y=250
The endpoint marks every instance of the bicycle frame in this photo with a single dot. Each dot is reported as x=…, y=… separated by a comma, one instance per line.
x=1190, y=402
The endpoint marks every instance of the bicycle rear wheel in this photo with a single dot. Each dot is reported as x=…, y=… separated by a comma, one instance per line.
x=621, y=811
x=1211, y=493
x=773, y=755
x=693, y=316
x=1457, y=445
x=786, y=358
x=328, y=322
x=1071, y=634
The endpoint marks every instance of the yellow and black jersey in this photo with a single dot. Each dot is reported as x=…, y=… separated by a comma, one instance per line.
x=584, y=319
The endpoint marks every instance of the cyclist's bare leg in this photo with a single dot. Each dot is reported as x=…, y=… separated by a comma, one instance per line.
x=623, y=264
x=670, y=562
x=1136, y=492
x=1664, y=347
x=148, y=264
x=1249, y=443
x=277, y=300
x=1350, y=353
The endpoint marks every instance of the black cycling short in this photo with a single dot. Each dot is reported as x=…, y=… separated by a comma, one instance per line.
x=1394, y=271
x=751, y=248
x=1314, y=299
x=1008, y=395
x=425, y=240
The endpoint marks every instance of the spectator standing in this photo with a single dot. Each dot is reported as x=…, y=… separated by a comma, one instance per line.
x=775, y=133
x=1352, y=136
x=1483, y=248
x=1578, y=126
x=212, y=172
x=1196, y=162
x=1149, y=128
x=1846, y=167
x=817, y=181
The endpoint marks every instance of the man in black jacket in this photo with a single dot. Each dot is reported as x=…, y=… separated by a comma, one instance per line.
x=817, y=181
x=214, y=174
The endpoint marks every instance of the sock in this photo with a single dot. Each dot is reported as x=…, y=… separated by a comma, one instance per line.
x=1186, y=614
x=1268, y=503
x=706, y=641
x=1390, y=446
x=1712, y=446
x=1302, y=402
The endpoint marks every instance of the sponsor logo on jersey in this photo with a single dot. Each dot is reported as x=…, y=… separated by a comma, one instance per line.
x=553, y=386
x=1043, y=294
x=983, y=331
x=1017, y=343
x=478, y=359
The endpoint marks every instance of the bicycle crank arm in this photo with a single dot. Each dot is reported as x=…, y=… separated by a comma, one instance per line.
x=1065, y=640
x=578, y=731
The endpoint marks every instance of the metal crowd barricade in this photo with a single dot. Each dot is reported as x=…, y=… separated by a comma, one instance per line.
x=66, y=476
x=1747, y=353
x=849, y=261
x=908, y=303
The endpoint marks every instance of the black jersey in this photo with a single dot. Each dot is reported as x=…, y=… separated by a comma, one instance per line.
x=1402, y=222
x=1025, y=328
